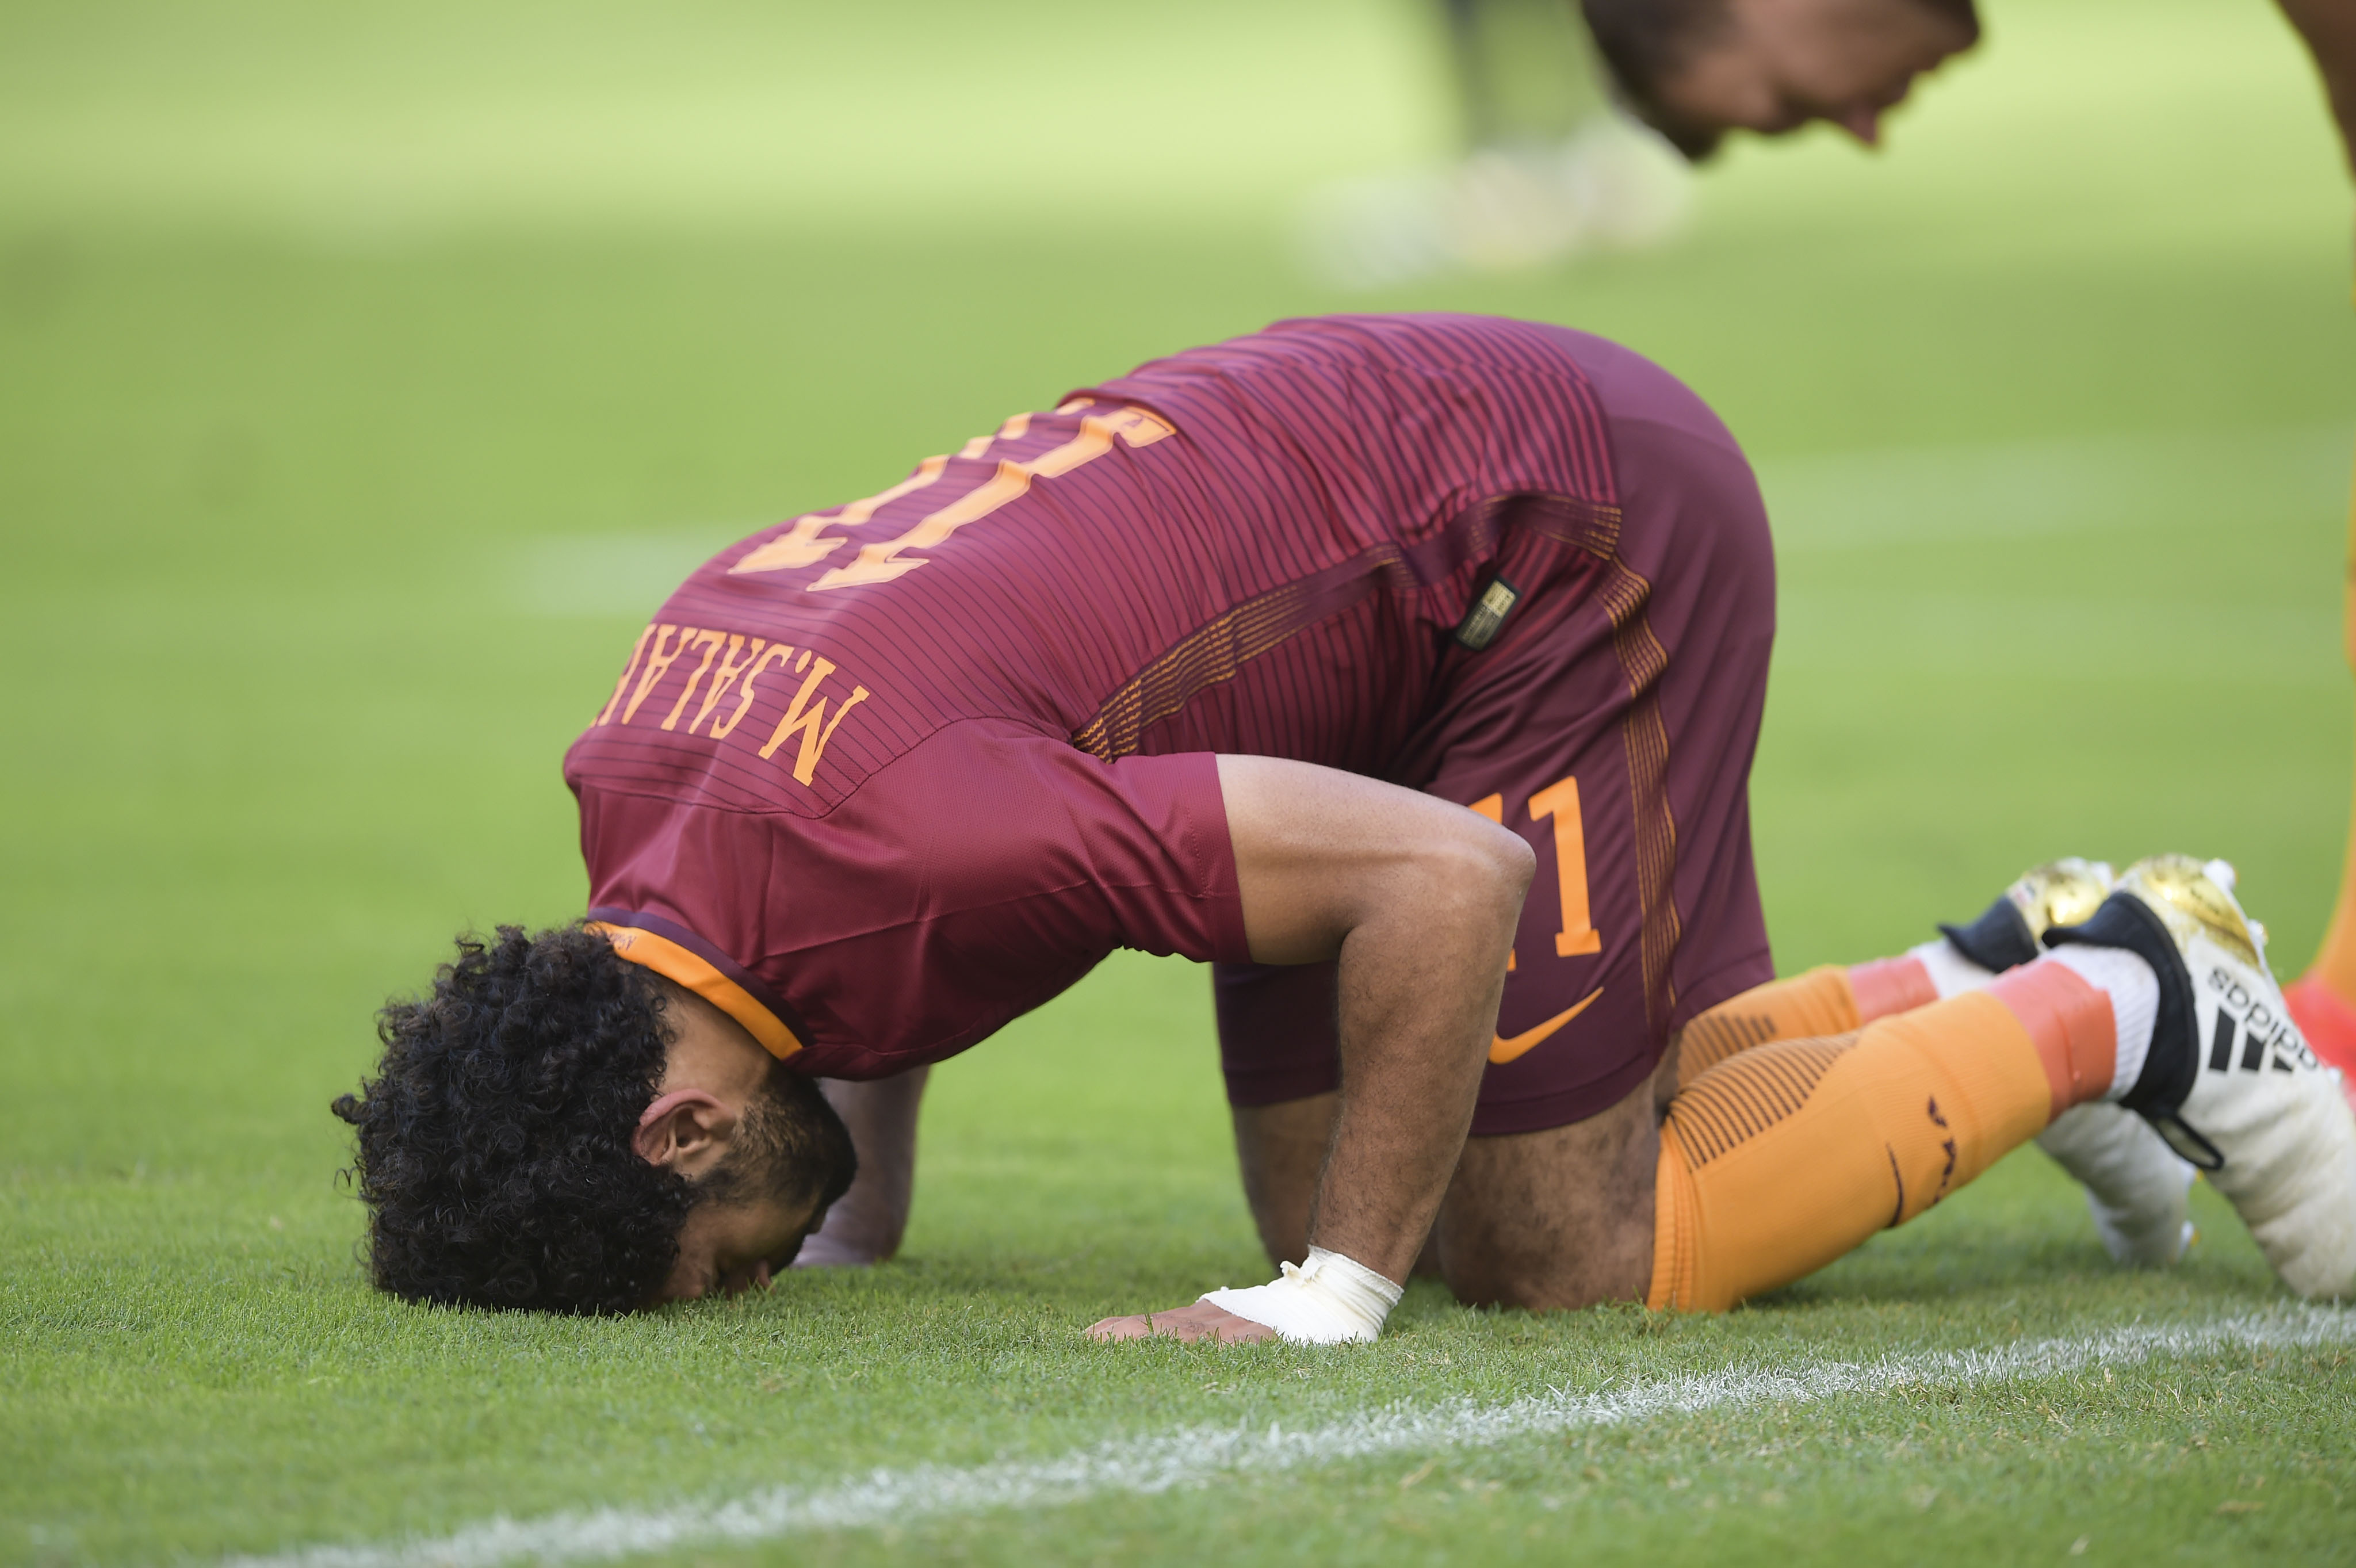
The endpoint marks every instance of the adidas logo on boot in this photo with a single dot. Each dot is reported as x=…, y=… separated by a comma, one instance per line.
x=2228, y=1081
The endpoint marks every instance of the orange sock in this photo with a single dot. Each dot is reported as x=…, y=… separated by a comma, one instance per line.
x=1788, y=1154
x=1826, y=1001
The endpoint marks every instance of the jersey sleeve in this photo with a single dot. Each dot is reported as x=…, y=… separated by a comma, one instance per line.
x=1016, y=863
x=965, y=883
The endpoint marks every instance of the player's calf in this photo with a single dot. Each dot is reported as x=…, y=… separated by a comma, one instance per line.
x=2136, y=1186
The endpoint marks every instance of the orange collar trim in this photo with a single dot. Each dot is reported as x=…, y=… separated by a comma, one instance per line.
x=674, y=962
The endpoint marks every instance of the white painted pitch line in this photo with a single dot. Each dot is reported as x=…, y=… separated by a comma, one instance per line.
x=1195, y=1455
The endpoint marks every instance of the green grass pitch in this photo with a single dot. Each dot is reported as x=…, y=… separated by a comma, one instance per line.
x=361, y=375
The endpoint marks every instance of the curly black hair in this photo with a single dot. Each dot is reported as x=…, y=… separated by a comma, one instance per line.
x=495, y=1150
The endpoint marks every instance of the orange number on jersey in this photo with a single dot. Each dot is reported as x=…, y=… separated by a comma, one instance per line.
x=1560, y=802
x=804, y=546
x=800, y=546
x=882, y=563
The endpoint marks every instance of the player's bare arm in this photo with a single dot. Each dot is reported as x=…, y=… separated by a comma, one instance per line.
x=1417, y=899
x=866, y=1224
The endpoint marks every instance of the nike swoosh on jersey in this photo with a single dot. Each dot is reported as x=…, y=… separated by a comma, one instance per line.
x=1503, y=1050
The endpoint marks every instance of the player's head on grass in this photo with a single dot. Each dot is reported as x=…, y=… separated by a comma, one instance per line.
x=553, y=1128
x=1696, y=70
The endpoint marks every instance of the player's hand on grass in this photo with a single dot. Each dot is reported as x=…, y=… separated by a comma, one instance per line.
x=1199, y=1321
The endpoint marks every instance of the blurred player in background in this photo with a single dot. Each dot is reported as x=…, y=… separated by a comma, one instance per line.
x=1553, y=167
x=1698, y=70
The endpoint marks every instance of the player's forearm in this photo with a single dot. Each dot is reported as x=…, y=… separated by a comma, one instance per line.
x=2329, y=28
x=1419, y=1003
x=1417, y=900
x=866, y=1223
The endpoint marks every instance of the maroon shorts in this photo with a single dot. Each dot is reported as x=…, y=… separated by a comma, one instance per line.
x=1611, y=724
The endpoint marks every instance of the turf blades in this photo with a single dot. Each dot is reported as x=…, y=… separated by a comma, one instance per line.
x=1202, y=1455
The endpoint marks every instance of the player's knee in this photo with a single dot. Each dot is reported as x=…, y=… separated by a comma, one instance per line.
x=1616, y=1266
x=1558, y=1218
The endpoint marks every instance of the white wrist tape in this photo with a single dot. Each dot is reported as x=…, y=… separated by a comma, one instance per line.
x=1329, y=1300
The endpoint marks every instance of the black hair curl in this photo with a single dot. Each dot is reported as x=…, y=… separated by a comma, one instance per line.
x=495, y=1150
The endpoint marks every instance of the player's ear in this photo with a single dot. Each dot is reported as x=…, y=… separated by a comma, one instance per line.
x=684, y=1131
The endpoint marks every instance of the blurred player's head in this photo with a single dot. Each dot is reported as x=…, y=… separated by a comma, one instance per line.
x=520, y=1145
x=1696, y=70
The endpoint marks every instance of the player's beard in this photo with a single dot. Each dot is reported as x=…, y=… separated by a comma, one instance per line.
x=789, y=1146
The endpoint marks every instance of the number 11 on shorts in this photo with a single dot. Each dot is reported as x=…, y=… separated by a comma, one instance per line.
x=1559, y=800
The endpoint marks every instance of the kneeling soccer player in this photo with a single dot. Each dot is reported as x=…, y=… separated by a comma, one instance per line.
x=1407, y=669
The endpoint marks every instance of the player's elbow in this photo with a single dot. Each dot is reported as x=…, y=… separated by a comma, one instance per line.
x=1478, y=875
x=1510, y=859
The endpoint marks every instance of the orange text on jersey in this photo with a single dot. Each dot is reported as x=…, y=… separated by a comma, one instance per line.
x=733, y=661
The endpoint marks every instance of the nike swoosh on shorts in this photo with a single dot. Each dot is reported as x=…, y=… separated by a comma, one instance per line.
x=1503, y=1050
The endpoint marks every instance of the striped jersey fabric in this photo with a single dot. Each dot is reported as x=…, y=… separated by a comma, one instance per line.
x=1263, y=546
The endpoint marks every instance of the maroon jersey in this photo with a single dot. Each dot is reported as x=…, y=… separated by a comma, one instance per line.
x=883, y=777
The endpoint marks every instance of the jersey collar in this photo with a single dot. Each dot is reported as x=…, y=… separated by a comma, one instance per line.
x=681, y=956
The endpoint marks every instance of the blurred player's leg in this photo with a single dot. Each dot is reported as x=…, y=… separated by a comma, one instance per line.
x=2324, y=999
x=1551, y=169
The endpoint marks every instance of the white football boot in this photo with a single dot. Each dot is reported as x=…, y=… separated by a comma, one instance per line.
x=2135, y=1185
x=2228, y=1081
x=2138, y=1189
